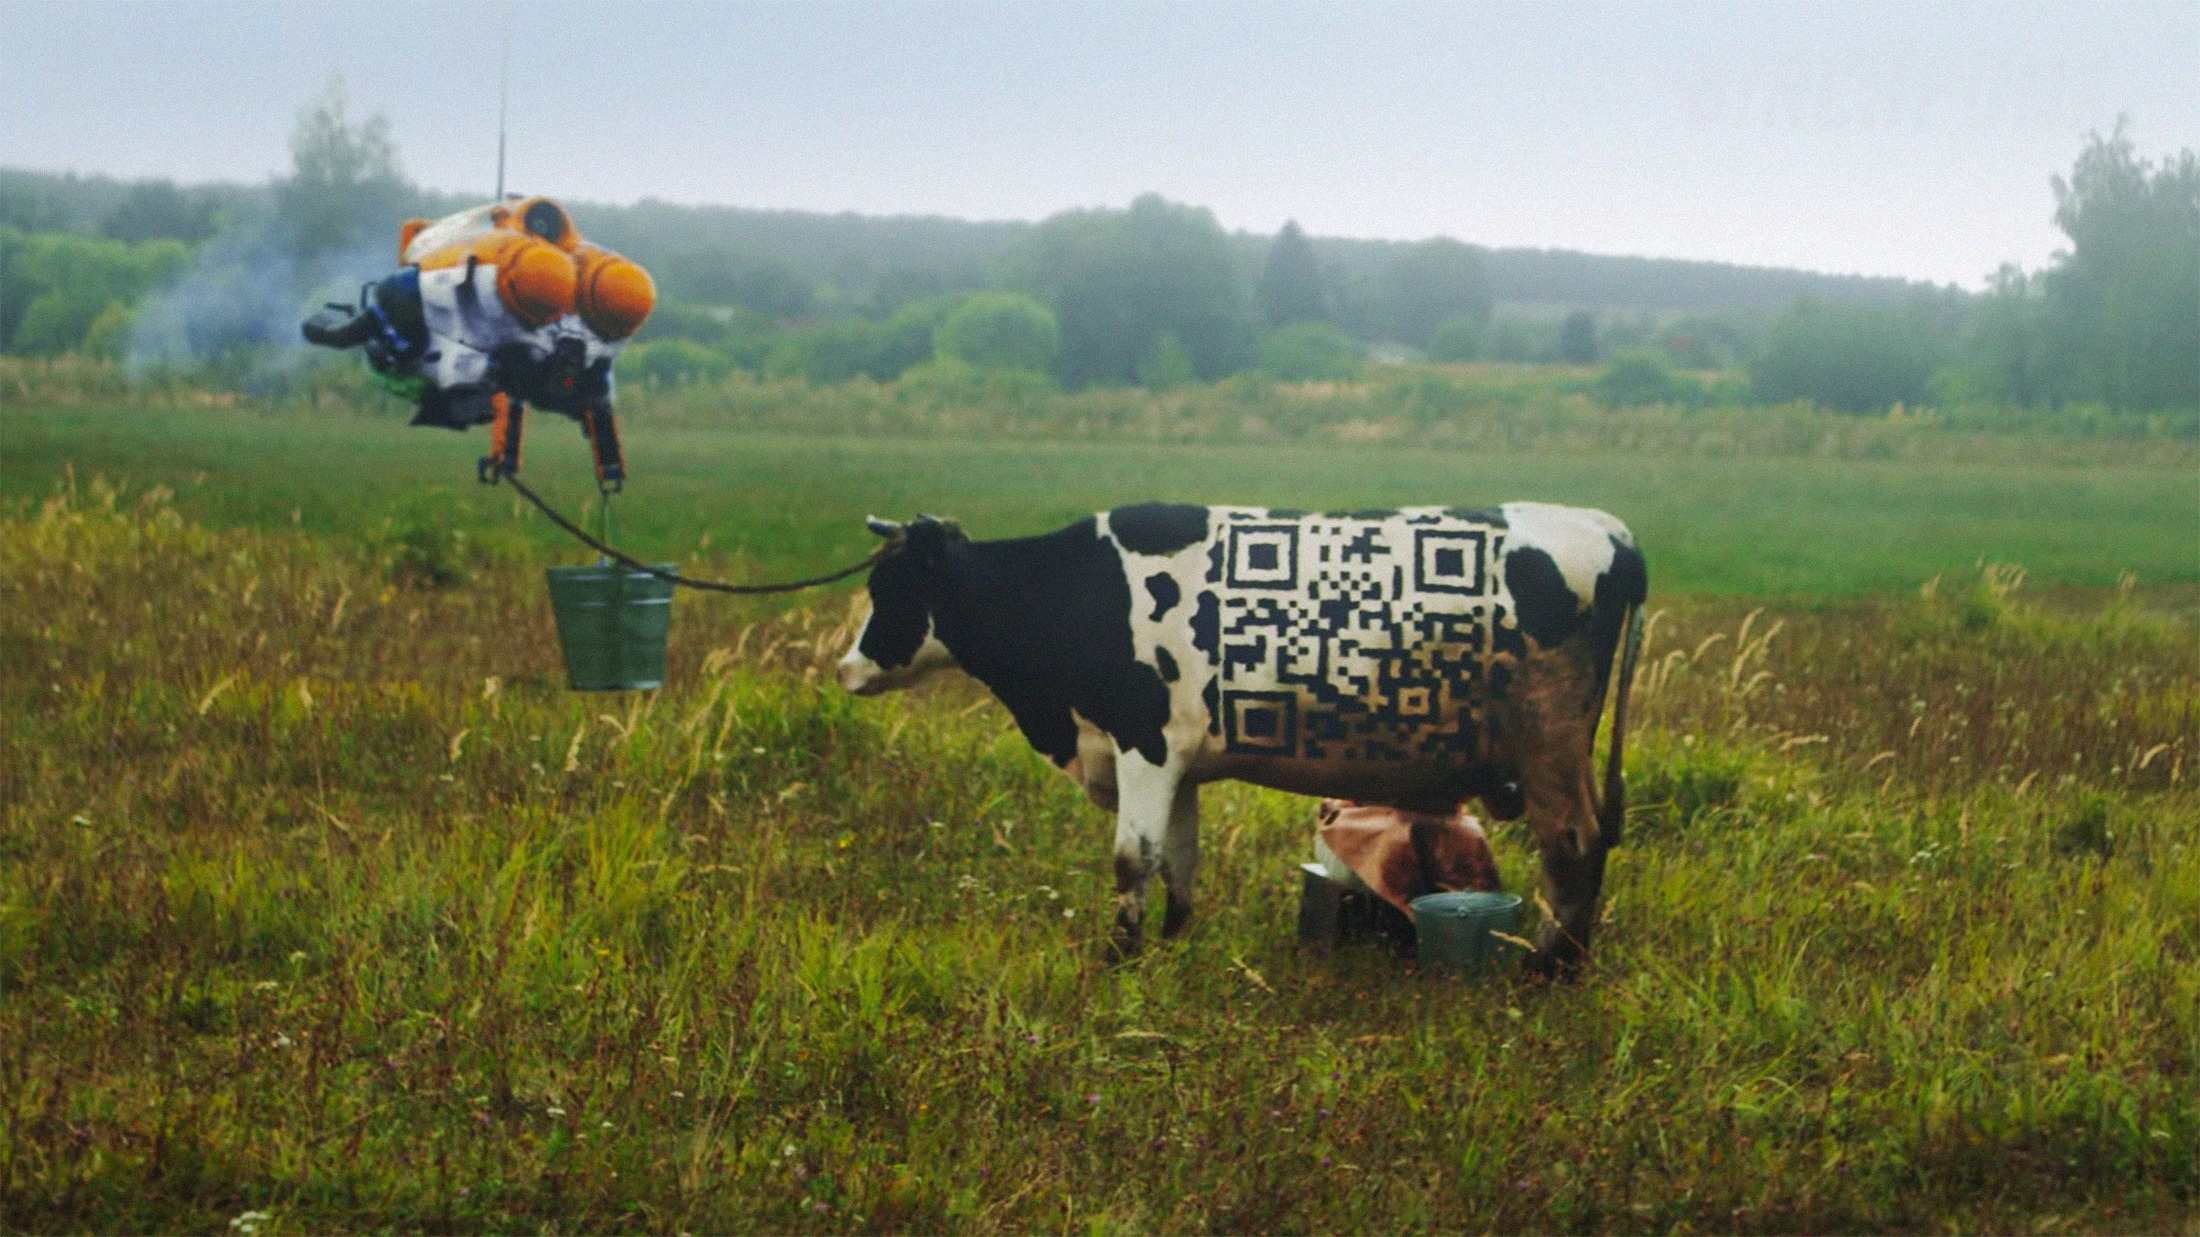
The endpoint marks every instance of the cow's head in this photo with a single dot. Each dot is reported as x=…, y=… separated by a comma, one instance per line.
x=898, y=644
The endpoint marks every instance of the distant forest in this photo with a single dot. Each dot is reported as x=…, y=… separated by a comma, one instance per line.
x=1155, y=293
x=765, y=258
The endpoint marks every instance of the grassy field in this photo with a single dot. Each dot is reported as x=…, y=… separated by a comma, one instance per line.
x=324, y=907
x=1750, y=525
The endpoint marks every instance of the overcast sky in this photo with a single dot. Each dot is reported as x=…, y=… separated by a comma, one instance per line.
x=1900, y=139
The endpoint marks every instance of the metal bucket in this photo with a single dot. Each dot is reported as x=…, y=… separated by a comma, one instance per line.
x=1454, y=931
x=612, y=622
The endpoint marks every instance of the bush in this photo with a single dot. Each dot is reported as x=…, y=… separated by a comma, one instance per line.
x=670, y=362
x=1120, y=281
x=1310, y=352
x=1640, y=376
x=999, y=330
x=1458, y=339
x=1850, y=358
x=54, y=286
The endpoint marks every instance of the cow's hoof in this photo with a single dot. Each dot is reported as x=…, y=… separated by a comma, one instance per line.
x=1545, y=965
x=1558, y=955
x=1122, y=944
x=1175, y=917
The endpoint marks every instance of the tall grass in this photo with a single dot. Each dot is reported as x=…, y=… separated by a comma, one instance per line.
x=1481, y=407
x=320, y=900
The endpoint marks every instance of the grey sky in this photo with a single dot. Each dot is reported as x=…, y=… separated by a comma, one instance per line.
x=1884, y=139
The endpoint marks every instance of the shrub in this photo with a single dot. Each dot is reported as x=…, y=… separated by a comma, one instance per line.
x=999, y=330
x=1639, y=376
x=1310, y=352
x=1458, y=339
x=1850, y=358
x=670, y=362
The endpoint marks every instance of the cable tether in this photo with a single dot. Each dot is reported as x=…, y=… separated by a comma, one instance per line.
x=715, y=586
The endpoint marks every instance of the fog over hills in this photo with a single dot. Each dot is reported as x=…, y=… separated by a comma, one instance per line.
x=861, y=253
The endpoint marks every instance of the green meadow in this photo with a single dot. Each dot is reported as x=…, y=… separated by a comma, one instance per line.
x=324, y=906
x=1793, y=523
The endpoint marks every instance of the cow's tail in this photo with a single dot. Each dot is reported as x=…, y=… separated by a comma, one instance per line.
x=1612, y=811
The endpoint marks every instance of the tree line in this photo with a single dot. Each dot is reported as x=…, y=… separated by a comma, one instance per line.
x=1156, y=293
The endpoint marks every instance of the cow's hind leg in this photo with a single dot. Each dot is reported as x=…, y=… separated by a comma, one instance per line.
x=1145, y=799
x=1564, y=818
x=1180, y=856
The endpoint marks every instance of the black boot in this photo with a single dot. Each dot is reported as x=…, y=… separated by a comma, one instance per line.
x=341, y=326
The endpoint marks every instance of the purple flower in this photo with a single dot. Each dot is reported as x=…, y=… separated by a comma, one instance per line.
x=1094, y=1098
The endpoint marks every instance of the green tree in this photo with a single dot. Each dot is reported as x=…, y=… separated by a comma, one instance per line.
x=1310, y=352
x=671, y=362
x=1290, y=287
x=1429, y=283
x=1638, y=376
x=999, y=330
x=156, y=210
x=1457, y=339
x=1132, y=289
x=344, y=176
x=55, y=285
x=1577, y=338
x=2122, y=307
x=2003, y=357
x=1846, y=357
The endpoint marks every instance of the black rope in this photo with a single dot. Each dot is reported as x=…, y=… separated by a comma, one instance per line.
x=715, y=586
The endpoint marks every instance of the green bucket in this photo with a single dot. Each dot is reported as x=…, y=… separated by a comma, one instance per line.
x=612, y=622
x=1454, y=931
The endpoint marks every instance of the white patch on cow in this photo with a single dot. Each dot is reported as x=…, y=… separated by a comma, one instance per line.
x=1578, y=539
x=861, y=676
x=1187, y=726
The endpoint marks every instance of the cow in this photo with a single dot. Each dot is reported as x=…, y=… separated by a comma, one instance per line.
x=1416, y=658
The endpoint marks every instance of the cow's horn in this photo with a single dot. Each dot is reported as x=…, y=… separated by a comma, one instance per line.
x=884, y=528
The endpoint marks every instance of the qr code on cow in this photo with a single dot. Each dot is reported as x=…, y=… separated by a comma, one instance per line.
x=1355, y=638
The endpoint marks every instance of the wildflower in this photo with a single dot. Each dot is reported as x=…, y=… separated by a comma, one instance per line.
x=249, y=1222
x=555, y=1111
x=1094, y=1098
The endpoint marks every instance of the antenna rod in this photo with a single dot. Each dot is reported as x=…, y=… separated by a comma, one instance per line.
x=504, y=94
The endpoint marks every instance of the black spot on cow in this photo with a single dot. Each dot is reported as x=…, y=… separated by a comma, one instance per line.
x=1547, y=609
x=1370, y=513
x=1214, y=563
x=1207, y=624
x=1166, y=664
x=1211, y=696
x=1158, y=528
x=1045, y=622
x=1163, y=588
x=1492, y=516
x=1623, y=586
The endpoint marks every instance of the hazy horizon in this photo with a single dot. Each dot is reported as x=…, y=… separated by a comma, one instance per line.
x=1880, y=140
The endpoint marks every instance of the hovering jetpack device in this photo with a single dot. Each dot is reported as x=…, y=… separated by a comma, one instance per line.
x=495, y=308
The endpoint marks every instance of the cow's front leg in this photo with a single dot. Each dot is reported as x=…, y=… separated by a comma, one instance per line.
x=1145, y=796
x=1180, y=856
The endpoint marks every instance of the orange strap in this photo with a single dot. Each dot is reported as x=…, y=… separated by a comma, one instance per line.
x=602, y=429
x=504, y=436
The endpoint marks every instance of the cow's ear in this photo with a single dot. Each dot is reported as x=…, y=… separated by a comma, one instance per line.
x=888, y=529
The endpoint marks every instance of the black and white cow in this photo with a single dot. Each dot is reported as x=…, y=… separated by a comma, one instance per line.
x=1416, y=658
